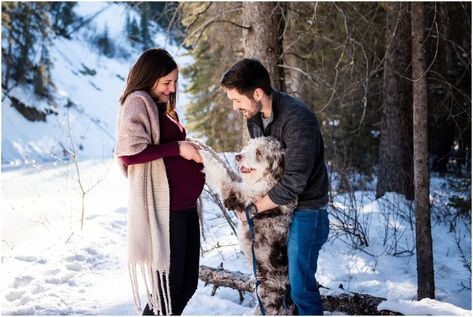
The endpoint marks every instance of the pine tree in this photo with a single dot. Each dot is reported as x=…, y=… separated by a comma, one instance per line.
x=131, y=29
x=210, y=112
x=424, y=255
x=395, y=167
x=42, y=76
x=145, y=36
x=63, y=16
x=29, y=28
x=105, y=44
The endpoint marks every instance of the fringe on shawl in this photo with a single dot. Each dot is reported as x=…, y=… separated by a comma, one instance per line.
x=153, y=291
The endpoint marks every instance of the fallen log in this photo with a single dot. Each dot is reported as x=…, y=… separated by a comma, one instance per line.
x=347, y=302
x=221, y=277
x=355, y=304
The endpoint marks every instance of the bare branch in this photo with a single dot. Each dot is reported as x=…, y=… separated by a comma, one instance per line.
x=216, y=19
x=300, y=71
x=198, y=16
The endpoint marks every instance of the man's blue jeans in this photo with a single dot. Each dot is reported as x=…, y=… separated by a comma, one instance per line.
x=309, y=231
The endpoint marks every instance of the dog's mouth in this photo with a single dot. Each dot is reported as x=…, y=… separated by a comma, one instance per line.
x=246, y=170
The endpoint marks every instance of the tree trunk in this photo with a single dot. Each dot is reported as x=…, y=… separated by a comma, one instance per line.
x=425, y=269
x=395, y=170
x=263, y=41
x=350, y=303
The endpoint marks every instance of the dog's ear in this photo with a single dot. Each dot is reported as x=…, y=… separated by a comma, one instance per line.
x=277, y=164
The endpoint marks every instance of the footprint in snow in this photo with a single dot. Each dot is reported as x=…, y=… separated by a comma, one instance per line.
x=22, y=281
x=14, y=295
x=91, y=251
x=121, y=210
x=60, y=280
x=26, y=258
x=75, y=258
x=52, y=272
x=74, y=267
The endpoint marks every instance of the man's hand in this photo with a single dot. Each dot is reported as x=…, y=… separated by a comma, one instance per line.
x=265, y=203
x=241, y=213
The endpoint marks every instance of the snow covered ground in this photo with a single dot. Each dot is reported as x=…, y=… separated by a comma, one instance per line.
x=51, y=267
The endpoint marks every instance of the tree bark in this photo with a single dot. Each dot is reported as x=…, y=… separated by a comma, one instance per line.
x=350, y=303
x=264, y=40
x=395, y=168
x=425, y=269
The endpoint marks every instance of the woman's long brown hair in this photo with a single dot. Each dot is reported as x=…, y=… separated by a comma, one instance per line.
x=153, y=64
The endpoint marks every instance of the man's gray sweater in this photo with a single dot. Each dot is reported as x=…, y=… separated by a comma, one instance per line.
x=305, y=175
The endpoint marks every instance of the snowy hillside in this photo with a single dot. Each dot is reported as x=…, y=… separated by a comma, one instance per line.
x=88, y=87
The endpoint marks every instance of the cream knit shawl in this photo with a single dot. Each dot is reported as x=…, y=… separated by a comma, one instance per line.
x=148, y=201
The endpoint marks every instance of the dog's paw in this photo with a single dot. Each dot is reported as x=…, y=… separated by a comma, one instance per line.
x=233, y=201
x=198, y=142
x=207, y=157
x=216, y=175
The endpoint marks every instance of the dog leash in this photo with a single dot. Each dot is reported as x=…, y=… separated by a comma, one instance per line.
x=252, y=236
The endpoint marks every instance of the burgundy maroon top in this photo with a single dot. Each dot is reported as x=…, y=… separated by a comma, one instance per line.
x=185, y=177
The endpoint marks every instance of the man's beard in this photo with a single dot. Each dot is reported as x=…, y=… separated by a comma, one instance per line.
x=250, y=115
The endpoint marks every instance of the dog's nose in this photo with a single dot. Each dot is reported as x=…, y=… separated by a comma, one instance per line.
x=238, y=157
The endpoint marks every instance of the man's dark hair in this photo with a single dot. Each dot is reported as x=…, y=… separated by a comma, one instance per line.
x=247, y=75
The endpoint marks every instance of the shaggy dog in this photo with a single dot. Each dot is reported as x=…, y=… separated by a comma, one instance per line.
x=260, y=165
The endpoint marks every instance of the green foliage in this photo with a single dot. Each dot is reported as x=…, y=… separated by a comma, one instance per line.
x=42, y=82
x=87, y=71
x=153, y=17
x=63, y=16
x=104, y=43
x=210, y=113
x=145, y=36
x=132, y=30
x=342, y=84
x=461, y=200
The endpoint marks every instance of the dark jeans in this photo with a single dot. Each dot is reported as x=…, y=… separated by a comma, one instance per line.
x=309, y=231
x=185, y=253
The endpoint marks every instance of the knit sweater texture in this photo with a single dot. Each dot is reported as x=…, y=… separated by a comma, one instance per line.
x=148, y=200
x=305, y=174
x=185, y=177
